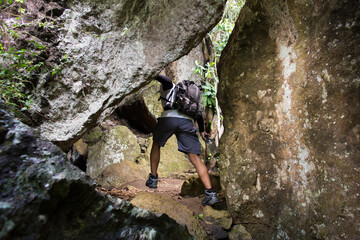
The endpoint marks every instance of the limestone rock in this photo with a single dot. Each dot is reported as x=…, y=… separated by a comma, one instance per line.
x=151, y=96
x=116, y=175
x=43, y=196
x=114, y=49
x=221, y=217
x=92, y=136
x=289, y=90
x=163, y=204
x=193, y=186
x=116, y=144
x=183, y=68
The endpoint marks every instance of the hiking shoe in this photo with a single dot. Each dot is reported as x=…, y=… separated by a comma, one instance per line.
x=210, y=197
x=152, y=181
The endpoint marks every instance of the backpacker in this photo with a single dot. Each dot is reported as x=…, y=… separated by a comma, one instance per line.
x=185, y=97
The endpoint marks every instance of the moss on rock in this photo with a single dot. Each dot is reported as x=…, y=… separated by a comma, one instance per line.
x=177, y=211
x=115, y=145
x=116, y=175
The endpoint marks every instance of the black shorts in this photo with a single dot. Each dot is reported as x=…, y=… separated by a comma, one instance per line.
x=184, y=130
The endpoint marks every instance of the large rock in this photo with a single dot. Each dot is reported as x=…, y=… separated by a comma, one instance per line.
x=183, y=68
x=114, y=49
x=142, y=108
x=163, y=204
x=116, y=175
x=116, y=144
x=43, y=196
x=289, y=90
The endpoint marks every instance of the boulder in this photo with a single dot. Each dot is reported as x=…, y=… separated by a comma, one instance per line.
x=116, y=175
x=43, y=196
x=115, y=145
x=112, y=50
x=92, y=136
x=221, y=217
x=289, y=91
x=162, y=204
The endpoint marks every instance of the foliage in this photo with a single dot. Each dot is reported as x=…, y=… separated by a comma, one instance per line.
x=209, y=96
x=58, y=67
x=16, y=69
x=219, y=36
x=21, y=54
x=221, y=33
x=209, y=77
x=200, y=216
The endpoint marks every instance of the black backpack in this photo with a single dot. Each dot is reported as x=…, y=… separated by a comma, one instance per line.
x=187, y=96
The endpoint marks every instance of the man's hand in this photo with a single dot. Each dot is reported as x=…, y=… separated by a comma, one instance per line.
x=203, y=135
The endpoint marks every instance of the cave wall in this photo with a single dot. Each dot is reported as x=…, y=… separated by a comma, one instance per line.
x=290, y=94
x=112, y=50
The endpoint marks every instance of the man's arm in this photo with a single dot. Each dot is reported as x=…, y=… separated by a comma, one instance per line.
x=200, y=122
x=165, y=81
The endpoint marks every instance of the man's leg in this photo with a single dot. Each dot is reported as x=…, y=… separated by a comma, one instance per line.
x=154, y=163
x=210, y=194
x=201, y=169
x=154, y=158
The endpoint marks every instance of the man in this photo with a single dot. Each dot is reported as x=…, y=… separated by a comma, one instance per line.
x=172, y=121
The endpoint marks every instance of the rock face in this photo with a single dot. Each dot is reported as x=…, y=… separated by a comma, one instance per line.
x=43, y=196
x=116, y=144
x=113, y=49
x=289, y=90
x=183, y=68
x=116, y=175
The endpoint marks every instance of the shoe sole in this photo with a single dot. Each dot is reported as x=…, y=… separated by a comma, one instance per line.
x=206, y=204
x=151, y=186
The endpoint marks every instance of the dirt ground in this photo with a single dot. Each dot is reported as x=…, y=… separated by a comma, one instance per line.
x=170, y=187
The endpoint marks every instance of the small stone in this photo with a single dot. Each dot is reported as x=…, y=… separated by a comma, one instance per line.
x=226, y=223
x=239, y=232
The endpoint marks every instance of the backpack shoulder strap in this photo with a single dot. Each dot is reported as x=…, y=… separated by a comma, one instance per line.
x=167, y=100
